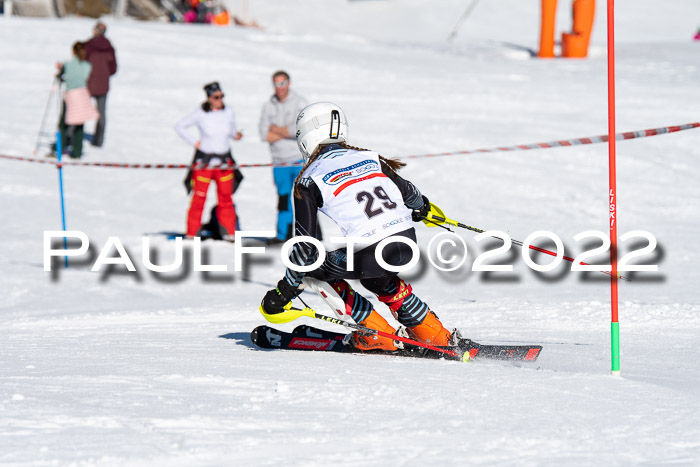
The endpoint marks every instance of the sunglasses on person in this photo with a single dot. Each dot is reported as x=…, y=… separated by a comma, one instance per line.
x=281, y=84
x=217, y=97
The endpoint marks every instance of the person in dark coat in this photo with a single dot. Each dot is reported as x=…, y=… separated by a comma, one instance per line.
x=100, y=54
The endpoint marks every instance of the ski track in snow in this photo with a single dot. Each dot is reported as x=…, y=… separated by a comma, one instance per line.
x=118, y=368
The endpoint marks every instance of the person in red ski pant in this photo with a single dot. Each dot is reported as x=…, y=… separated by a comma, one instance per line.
x=225, y=211
x=216, y=124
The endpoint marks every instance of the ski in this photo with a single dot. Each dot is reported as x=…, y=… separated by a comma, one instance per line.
x=302, y=338
x=306, y=337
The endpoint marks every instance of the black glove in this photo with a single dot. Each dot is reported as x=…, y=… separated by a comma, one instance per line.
x=421, y=213
x=274, y=300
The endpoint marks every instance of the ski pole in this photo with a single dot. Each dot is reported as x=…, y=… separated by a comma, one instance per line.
x=291, y=314
x=437, y=220
x=464, y=16
x=46, y=113
x=59, y=166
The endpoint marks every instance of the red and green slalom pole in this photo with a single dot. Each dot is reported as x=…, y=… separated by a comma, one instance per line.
x=614, y=325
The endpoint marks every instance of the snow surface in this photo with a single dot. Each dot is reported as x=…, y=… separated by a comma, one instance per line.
x=118, y=368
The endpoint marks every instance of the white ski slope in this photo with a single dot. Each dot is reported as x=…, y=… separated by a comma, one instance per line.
x=118, y=368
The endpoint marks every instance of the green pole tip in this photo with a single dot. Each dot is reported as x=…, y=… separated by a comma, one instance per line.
x=615, y=347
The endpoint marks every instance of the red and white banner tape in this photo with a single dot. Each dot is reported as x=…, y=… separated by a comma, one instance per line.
x=522, y=147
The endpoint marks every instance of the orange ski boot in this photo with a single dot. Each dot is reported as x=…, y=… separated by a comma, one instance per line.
x=431, y=331
x=374, y=342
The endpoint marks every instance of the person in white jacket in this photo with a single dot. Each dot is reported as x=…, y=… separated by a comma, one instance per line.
x=278, y=128
x=216, y=124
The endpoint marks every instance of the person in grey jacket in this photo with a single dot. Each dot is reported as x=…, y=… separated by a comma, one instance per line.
x=278, y=128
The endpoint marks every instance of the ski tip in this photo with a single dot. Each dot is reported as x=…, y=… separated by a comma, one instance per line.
x=528, y=353
x=532, y=354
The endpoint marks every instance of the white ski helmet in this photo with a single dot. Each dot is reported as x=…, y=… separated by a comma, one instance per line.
x=320, y=123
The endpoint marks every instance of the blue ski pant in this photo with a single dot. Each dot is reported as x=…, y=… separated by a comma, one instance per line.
x=284, y=180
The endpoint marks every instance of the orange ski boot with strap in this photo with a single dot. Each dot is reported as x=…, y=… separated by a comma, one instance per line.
x=431, y=331
x=374, y=342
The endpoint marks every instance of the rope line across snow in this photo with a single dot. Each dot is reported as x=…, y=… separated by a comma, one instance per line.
x=522, y=147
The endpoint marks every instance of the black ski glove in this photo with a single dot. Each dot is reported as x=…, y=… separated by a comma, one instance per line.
x=274, y=300
x=421, y=213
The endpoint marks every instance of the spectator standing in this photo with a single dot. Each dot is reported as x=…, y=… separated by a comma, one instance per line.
x=278, y=128
x=101, y=55
x=77, y=106
x=216, y=124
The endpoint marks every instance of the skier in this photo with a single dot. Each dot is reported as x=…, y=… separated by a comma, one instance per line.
x=216, y=124
x=362, y=192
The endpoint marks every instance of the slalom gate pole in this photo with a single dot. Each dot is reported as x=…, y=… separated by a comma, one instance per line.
x=614, y=323
x=46, y=113
x=59, y=166
x=443, y=220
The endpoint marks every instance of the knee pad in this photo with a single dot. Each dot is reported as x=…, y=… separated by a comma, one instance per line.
x=396, y=299
x=406, y=307
x=283, y=203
